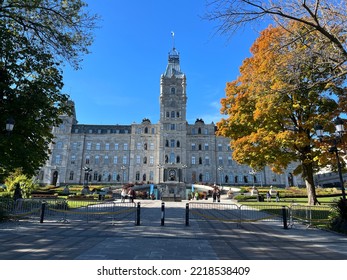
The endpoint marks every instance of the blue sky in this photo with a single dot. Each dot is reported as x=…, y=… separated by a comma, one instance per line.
x=119, y=80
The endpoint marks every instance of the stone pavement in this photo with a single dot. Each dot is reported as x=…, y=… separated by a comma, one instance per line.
x=201, y=240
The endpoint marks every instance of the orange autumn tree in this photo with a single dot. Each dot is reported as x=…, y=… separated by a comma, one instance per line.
x=283, y=90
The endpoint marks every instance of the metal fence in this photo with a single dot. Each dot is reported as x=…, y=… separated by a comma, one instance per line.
x=63, y=210
x=286, y=215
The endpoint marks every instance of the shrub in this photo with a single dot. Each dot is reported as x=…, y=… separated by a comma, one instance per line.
x=338, y=217
x=27, y=185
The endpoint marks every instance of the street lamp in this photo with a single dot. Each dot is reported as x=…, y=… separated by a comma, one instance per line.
x=184, y=166
x=252, y=172
x=220, y=169
x=87, y=170
x=339, y=131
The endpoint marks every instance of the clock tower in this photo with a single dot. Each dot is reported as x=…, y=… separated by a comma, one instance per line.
x=173, y=124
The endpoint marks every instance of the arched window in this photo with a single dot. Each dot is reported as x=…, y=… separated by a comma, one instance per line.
x=144, y=177
x=144, y=160
x=178, y=159
x=166, y=143
x=199, y=130
x=173, y=90
x=200, y=177
x=146, y=129
x=200, y=160
x=166, y=159
x=178, y=144
x=145, y=146
x=71, y=175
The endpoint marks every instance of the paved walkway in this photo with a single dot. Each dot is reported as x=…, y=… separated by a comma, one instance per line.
x=201, y=240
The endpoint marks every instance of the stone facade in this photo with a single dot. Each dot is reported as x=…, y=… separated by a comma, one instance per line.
x=171, y=151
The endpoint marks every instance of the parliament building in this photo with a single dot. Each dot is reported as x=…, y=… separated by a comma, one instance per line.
x=168, y=152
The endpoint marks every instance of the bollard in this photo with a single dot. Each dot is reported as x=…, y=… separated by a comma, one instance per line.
x=42, y=212
x=162, y=214
x=284, y=215
x=187, y=214
x=138, y=214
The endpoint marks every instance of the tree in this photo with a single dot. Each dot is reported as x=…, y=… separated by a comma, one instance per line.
x=274, y=104
x=325, y=18
x=36, y=37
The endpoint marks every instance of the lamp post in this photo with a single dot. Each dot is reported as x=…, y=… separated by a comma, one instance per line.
x=339, y=131
x=220, y=169
x=184, y=166
x=252, y=172
x=87, y=170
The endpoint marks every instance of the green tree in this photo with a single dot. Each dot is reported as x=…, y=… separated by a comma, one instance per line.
x=36, y=37
x=27, y=185
x=274, y=104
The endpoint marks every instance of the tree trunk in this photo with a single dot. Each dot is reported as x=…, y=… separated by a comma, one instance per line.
x=310, y=187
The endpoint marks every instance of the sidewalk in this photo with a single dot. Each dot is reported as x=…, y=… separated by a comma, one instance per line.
x=201, y=240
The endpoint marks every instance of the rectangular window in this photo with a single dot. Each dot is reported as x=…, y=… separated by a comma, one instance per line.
x=230, y=161
x=206, y=147
x=73, y=159
x=59, y=145
x=193, y=160
x=151, y=175
x=139, y=146
x=207, y=161
x=97, y=147
x=97, y=160
x=106, y=160
x=74, y=146
x=219, y=147
x=125, y=160
x=87, y=159
x=58, y=159
x=107, y=146
x=116, y=146
x=172, y=126
x=193, y=147
x=151, y=146
x=220, y=160
x=138, y=159
x=115, y=159
x=89, y=146
x=151, y=160
x=125, y=146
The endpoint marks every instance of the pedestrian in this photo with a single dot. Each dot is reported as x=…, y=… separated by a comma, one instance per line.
x=214, y=195
x=218, y=195
x=268, y=196
x=277, y=196
x=131, y=195
x=196, y=196
x=123, y=195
